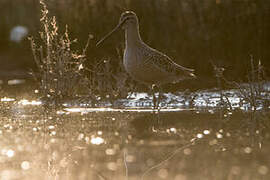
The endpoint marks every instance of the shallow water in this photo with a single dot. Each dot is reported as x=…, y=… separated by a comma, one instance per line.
x=190, y=139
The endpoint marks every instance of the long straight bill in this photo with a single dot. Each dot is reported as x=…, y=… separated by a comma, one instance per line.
x=110, y=33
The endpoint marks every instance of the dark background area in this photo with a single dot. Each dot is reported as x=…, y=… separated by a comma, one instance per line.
x=192, y=32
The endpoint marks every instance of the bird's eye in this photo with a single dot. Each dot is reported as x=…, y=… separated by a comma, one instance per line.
x=126, y=19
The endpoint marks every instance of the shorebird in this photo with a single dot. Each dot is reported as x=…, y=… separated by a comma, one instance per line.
x=143, y=63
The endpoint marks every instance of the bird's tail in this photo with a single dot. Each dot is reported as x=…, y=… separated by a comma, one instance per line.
x=192, y=75
x=188, y=74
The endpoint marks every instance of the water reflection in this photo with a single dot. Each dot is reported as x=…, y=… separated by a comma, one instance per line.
x=102, y=142
x=140, y=102
x=87, y=110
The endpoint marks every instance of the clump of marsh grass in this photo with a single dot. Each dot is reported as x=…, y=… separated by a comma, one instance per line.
x=253, y=93
x=254, y=98
x=108, y=81
x=224, y=104
x=59, y=66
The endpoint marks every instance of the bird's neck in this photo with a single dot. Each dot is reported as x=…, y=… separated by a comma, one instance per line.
x=132, y=36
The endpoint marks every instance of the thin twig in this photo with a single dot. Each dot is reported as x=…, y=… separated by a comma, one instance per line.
x=169, y=157
x=125, y=162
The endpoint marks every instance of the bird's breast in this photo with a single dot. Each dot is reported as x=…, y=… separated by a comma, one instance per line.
x=136, y=64
x=130, y=60
x=133, y=63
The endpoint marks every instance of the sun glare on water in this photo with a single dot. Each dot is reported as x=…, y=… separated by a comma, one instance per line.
x=27, y=102
x=6, y=99
x=97, y=140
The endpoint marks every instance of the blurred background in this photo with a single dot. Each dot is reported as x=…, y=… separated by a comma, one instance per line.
x=194, y=33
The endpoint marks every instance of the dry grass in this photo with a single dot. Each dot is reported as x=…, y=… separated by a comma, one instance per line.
x=59, y=66
x=61, y=69
x=104, y=82
x=254, y=100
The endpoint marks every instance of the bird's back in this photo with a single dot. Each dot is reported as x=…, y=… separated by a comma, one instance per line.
x=153, y=67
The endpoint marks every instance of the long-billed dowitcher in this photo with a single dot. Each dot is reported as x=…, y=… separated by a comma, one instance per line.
x=143, y=63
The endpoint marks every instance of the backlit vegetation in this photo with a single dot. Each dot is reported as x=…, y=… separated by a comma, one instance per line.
x=59, y=66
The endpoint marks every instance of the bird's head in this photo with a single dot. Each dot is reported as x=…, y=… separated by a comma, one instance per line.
x=127, y=19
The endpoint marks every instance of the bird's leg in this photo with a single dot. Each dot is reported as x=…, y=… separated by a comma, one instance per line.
x=154, y=97
x=160, y=92
x=156, y=102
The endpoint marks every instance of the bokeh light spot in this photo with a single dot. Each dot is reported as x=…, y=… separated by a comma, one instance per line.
x=25, y=165
x=97, y=140
x=163, y=173
x=263, y=170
